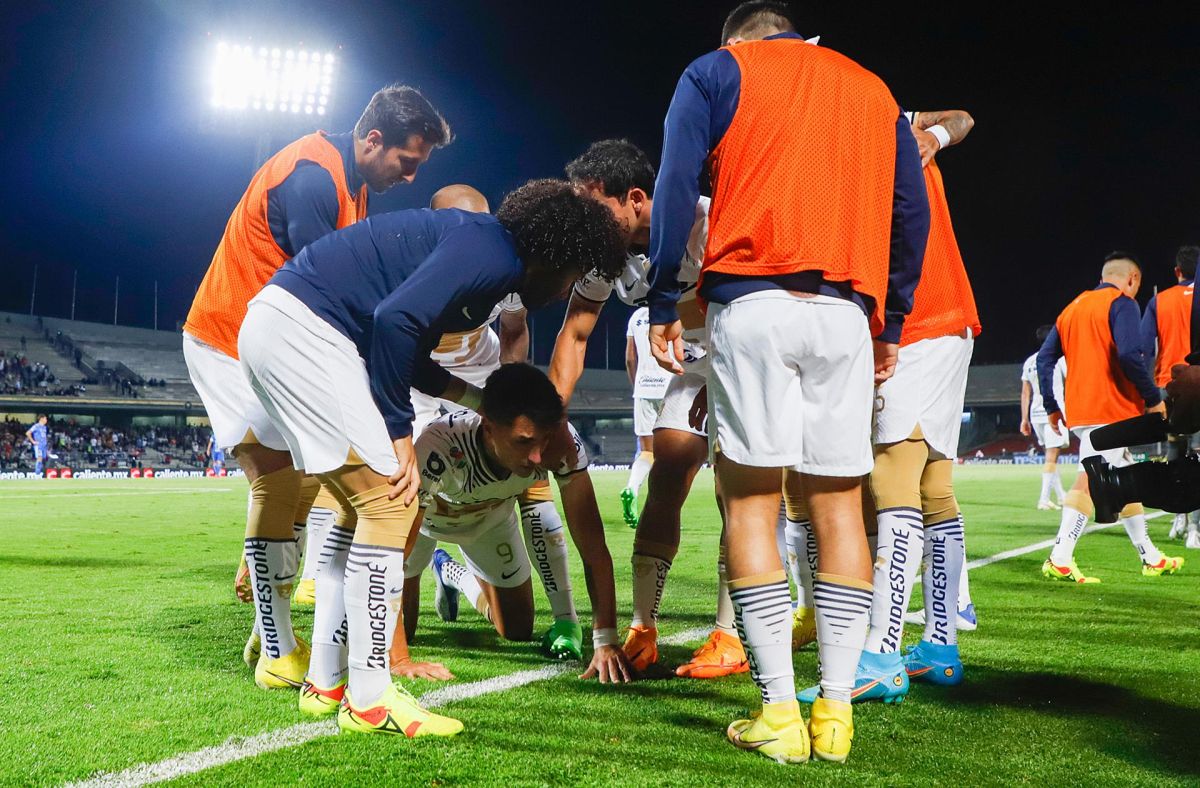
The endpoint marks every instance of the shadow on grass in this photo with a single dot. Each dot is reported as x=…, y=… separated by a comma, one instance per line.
x=1145, y=732
x=85, y=562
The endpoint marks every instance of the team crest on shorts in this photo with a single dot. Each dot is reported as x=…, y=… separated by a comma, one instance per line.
x=457, y=458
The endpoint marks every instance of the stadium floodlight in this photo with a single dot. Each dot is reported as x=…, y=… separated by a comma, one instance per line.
x=265, y=79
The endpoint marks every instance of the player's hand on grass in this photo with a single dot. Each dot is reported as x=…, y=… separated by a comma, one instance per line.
x=1026, y=428
x=405, y=482
x=1056, y=421
x=666, y=343
x=886, y=354
x=1183, y=391
x=241, y=583
x=698, y=413
x=609, y=665
x=430, y=671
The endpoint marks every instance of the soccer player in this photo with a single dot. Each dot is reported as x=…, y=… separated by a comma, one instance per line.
x=473, y=356
x=1107, y=381
x=815, y=244
x=472, y=468
x=649, y=382
x=39, y=437
x=312, y=186
x=918, y=414
x=331, y=347
x=619, y=175
x=1034, y=422
x=1167, y=338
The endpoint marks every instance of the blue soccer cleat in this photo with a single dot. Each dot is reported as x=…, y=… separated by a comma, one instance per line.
x=967, y=622
x=879, y=677
x=445, y=596
x=934, y=663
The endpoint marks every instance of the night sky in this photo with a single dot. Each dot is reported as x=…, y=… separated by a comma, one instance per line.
x=1085, y=136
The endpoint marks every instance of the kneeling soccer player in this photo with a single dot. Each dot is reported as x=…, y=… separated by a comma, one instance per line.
x=473, y=466
x=331, y=347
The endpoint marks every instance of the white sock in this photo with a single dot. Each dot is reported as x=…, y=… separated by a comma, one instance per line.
x=764, y=623
x=1193, y=523
x=374, y=580
x=546, y=540
x=1058, y=488
x=1069, y=530
x=273, y=566
x=964, y=582
x=1135, y=526
x=943, y=565
x=640, y=470
x=458, y=576
x=802, y=559
x=319, y=522
x=896, y=564
x=649, y=579
x=843, y=613
x=725, y=616
x=781, y=545
x=1047, y=479
x=327, y=666
x=299, y=543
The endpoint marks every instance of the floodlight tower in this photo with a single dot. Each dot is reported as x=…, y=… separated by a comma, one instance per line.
x=262, y=90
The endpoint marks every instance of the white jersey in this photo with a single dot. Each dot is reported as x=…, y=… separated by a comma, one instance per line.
x=477, y=346
x=633, y=285
x=1029, y=374
x=461, y=493
x=650, y=380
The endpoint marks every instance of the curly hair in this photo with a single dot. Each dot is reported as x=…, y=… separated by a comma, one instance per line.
x=562, y=229
x=617, y=165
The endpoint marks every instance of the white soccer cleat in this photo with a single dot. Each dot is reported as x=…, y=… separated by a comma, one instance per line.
x=1048, y=506
x=1178, y=526
x=1193, y=541
x=967, y=622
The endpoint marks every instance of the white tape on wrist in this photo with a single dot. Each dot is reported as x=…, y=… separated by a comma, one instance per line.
x=604, y=637
x=943, y=136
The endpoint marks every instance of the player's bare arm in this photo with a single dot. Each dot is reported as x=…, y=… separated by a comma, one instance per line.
x=514, y=336
x=1026, y=398
x=953, y=126
x=566, y=362
x=666, y=343
x=608, y=664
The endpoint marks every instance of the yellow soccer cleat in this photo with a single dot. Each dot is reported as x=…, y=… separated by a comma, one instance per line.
x=397, y=713
x=252, y=650
x=831, y=723
x=319, y=702
x=1067, y=572
x=641, y=647
x=305, y=593
x=777, y=732
x=286, y=672
x=804, y=627
x=721, y=655
x=1166, y=565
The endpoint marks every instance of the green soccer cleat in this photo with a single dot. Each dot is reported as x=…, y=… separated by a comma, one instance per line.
x=1167, y=565
x=629, y=507
x=397, y=713
x=563, y=640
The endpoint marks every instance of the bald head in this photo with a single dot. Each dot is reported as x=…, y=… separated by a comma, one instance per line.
x=461, y=196
x=1124, y=272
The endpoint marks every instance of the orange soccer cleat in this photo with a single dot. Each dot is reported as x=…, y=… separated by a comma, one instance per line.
x=721, y=655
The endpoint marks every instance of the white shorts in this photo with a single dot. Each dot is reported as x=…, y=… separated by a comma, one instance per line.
x=1047, y=437
x=313, y=385
x=645, y=415
x=1118, y=458
x=678, y=403
x=496, y=555
x=233, y=410
x=928, y=389
x=484, y=360
x=791, y=383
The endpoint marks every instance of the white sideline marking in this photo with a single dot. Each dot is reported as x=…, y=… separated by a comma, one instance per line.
x=239, y=749
x=1033, y=548
x=179, y=491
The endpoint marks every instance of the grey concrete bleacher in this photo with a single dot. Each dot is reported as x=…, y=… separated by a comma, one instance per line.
x=37, y=348
x=993, y=384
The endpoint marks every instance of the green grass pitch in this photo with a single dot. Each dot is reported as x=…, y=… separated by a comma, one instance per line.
x=122, y=646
